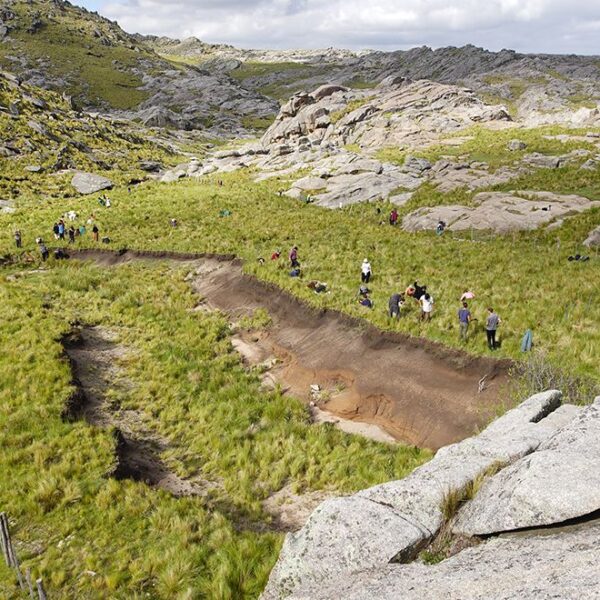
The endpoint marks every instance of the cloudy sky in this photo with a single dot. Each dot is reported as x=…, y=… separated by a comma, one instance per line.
x=558, y=26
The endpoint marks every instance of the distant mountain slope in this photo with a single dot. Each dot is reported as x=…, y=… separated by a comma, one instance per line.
x=54, y=45
x=528, y=84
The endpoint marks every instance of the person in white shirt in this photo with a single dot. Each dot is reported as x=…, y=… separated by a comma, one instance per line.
x=365, y=274
x=426, y=307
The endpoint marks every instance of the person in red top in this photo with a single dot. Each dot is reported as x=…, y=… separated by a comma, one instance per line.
x=276, y=255
x=394, y=217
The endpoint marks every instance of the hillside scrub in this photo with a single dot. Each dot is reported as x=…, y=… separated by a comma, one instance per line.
x=99, y=72
x=91, y=536
x=525, y=276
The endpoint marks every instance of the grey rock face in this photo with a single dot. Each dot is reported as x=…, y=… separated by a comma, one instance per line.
x=500, y=212
x=516, y=145
x=543, y=161
x=593, y=239
x=89, y=183
x=536, y=566
x=416, y=165
x=559, y=482
x=150, y=166
x=346, y=534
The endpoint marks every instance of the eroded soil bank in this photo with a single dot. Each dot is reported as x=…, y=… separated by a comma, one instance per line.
x=419, y=392
x=94, y=356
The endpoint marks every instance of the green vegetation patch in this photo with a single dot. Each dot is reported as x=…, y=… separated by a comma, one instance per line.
x=90, y=536
x=491, y=146
x=70, y=48
x=526, y=276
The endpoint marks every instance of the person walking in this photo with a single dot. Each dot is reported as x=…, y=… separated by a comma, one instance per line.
x=18, y=239
x=43, y=251
x=95, y=232
x=294, y=258
x=365, y=271
x=426, y=302
x=491, y=326
x=464, y=319
x=71, y=235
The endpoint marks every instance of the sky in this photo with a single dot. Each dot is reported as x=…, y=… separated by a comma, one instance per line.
x=555, y=26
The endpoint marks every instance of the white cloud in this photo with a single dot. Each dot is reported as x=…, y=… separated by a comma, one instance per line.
x=561, y=26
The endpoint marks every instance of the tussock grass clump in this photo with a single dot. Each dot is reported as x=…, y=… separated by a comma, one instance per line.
x=187, y=387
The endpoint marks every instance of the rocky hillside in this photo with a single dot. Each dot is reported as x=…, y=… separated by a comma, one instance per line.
x=57, y=46
x=534, y=468
x=44, y=142
x=538, y=88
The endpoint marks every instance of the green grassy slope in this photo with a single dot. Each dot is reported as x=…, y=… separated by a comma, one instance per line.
x=83, y=54
x=92, y=537
x=46, y=133
x=525, y=276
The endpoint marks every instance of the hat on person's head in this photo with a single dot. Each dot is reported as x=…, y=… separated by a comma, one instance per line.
x=366, y=260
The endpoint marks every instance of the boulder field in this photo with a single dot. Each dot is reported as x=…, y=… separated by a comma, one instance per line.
x=536, y=466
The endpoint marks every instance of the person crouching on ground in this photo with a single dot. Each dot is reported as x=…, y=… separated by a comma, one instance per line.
x=395, y=303
x=365, y=271
x=365, y=301
x=426, y=302
x=318, y=287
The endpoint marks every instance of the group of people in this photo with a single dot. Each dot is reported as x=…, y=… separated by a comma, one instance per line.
x=398, y=300
x=61, y=232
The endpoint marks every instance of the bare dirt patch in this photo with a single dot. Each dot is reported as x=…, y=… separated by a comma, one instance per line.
x=94, y=355
x=417, y=391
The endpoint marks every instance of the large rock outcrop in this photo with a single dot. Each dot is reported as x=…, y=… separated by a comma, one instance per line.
x=557, y=564
x=89, y=183
x=346, y=535
x=500, y=212
x=593, y=240
x=558, y=482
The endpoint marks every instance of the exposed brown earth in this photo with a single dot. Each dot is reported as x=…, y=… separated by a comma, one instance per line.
x=418, y=391
x=94, y=357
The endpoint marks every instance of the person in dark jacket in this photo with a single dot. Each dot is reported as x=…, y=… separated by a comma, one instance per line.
x=395, y=302
x=491, y=326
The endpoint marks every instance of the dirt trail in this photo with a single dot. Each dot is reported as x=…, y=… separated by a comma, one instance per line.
x=94, y=357
x=418, y=391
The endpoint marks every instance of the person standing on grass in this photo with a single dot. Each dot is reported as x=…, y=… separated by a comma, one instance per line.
x=491, y=326
x=395, y=302
x=294, y=257
x=71, y=235
x=95, y=232
x=464, y=319
x=426, y=307
x=82, y=229
x=55, y=230
x=18, y=240
x=43, y=251
x=365, y=271
x=61, y=230
x=394, y=217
